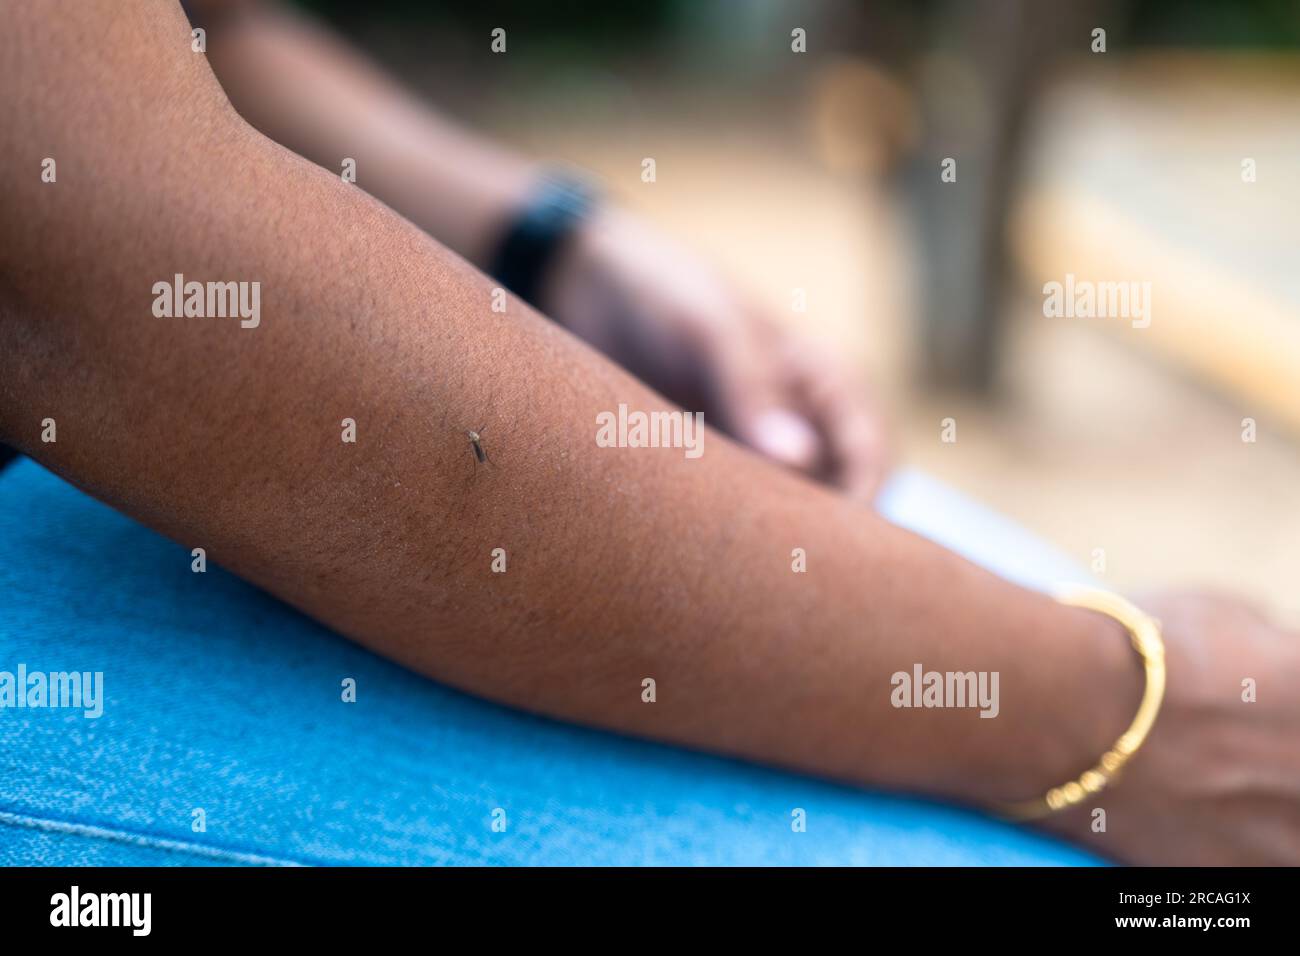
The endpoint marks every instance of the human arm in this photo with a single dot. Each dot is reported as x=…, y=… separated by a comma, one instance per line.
x=623, y=563
x=622, y=285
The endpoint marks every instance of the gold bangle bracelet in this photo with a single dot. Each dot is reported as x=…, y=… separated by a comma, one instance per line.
x=1144, y=634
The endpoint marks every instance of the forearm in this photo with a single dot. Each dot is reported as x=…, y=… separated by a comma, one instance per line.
x=623, y=564
x=304, y=88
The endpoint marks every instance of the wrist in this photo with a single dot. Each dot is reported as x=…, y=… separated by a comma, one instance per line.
x=1087, y=703
x=1068, y=682
x=540, y=235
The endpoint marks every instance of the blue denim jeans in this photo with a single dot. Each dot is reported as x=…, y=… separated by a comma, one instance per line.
x=224, y=738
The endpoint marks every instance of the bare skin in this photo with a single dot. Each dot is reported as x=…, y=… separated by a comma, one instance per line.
x=622, y=286
x=623, y=563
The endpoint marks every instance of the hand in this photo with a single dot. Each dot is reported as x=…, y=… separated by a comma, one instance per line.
x=1218, y=780
x=659, y=313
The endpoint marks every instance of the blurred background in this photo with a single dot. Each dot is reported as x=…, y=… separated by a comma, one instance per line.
x=820, y=171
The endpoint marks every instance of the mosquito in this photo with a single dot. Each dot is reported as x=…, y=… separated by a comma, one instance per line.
x=476, y=441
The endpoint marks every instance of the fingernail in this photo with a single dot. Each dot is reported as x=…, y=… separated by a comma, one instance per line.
x=785, y=436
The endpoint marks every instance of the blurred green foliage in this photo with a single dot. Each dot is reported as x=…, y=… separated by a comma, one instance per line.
x=1205, y=23
x=552, y=17
x=1216, y=23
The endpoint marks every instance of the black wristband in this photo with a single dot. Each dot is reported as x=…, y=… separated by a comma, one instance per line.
x=536, y=236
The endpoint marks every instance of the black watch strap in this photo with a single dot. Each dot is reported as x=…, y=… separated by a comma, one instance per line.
x=538, y=233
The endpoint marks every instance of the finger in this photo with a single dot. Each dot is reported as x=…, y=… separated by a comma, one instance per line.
x=786, y=436
x=857, y=447
x=756, y=408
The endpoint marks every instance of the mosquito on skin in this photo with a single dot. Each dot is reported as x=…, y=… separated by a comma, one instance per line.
x=476, y=442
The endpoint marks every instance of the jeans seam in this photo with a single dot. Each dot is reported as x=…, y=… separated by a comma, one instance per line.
x=118, y=834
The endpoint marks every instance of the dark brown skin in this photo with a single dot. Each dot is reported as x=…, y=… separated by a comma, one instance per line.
x=623, y=563
x=621, y=285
